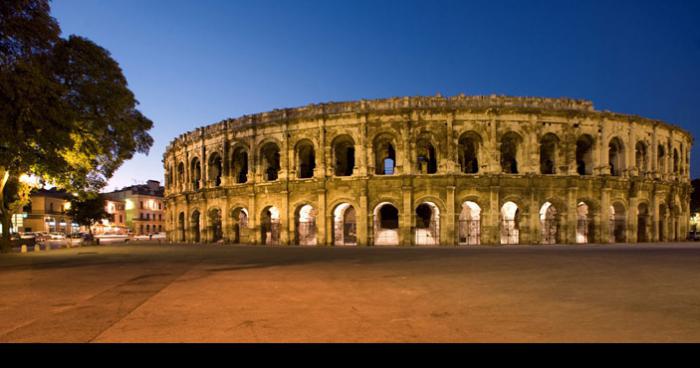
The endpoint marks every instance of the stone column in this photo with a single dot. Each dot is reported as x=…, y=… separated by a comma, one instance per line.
x=321, y=236
x=448, y=232
x=406, y=216
x=362, y=219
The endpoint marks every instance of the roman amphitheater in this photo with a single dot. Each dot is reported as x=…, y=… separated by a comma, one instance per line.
x=421, y=171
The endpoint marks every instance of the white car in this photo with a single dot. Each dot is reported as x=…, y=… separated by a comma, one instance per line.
x=112, y=238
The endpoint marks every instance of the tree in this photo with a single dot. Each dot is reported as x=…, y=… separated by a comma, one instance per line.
x=87, y=210
x=66, y=112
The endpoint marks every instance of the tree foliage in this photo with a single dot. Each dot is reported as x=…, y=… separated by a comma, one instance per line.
x=87, y=210
x=67, y=113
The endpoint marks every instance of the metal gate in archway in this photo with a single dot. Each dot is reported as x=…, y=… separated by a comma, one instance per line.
x=510, y=234
x=306, y=232
x=550, y=228
x=428, y=235
x=271, y=232
x=470, y=232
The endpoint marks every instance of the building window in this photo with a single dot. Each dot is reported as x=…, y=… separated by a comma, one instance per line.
x=141, y=204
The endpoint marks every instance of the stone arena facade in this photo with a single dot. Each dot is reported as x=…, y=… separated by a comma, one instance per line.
x=410, y=171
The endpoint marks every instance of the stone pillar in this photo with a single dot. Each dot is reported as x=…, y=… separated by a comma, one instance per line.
x=321, y=236
x=448, y=232
x=362, y=220
x=491, y=225
x=286, y=220
x=632, y=220
x=255, y=236
x=406, y=216
x=604, y=218
x=572, y=215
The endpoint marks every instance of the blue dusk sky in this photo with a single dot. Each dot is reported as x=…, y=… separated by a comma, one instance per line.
x=193, y=63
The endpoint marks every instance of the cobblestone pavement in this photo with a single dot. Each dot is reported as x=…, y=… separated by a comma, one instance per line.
x=224, y=293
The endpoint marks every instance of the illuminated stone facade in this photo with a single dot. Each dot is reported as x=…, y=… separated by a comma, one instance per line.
x=430, y=171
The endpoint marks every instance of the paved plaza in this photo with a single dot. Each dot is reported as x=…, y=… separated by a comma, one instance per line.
x=224, y=293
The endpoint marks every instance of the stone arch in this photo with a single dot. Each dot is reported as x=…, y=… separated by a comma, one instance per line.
x=215, y=168
x=616, y=156
x=550, y=224
x=641, y=157
x=470, y=223
x=662, y=223
x=239, y=224
x=510, y=223
x=215, y=228
x=643, y=217
x=427, y=229
x=344, y=224
x=196, y=170
x=305, y=225
x=270, y=162
x=426, y=155
x=239, y=163
x=385, y=148
x=343, y=155
x=195, y=219
x=584, y=154
x=270, y=226
x=180, y=174
x=510, y=152
x=549, y=147
x=661, y=159
x=618, y=222
x=181, y=227
x=386, y=224
x=468, y=147
x=305, y=158
x=585, y=229
x=676, y=162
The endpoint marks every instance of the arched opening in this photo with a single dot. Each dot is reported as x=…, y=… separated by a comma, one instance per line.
x=642, y=223
x=509, y=153
x=215, y=169
x=169, y=177
x=425, y=157
x=386, y=224
x=510, y=223
x=306, y=159
x=305, y=225
x=344, y=155
x=640, y=157
x=385, y=156
x=468, y=153
x=616, y=157
x=549, y=220
x=548, y=154
x=181, y=227
x=661, y=159
x=470, y=224
x=584, y=225
x=239, y=227
x=194, y=224
x=215, y=228
x=427, y=224
x=270, y=226
x=663, y=214
x=618, y=223
x=675, y=161
x=344, y=225
x=196, y=170
x=270, y=156
x=180, y=174
x=584, y=155
x=239, y=165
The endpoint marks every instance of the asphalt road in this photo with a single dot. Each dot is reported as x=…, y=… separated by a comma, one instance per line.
x=216, y=293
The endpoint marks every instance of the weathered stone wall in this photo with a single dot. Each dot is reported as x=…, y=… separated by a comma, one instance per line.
x=650, y=189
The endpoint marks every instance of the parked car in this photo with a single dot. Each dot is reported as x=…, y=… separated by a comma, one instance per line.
x=76, y=240
x=112, y=238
